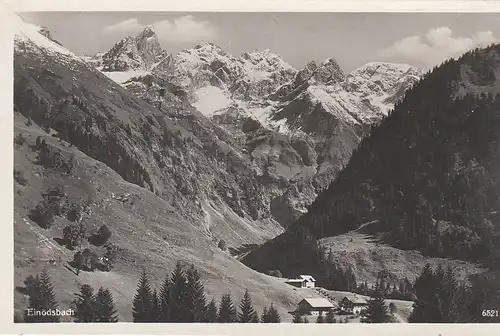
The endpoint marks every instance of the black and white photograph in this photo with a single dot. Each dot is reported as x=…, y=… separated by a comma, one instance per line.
x=256, y=167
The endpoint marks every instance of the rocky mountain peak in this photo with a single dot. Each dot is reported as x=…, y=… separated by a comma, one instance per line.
x=206, y=48
x=148, y=31
x=265, y=60
x=149, y=47
x=44, y=31
x=329, y=72
x=382, y=79
x=134, y=52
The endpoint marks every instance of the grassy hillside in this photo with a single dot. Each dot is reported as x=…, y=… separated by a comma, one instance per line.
x=368, y=256
x=145, y=228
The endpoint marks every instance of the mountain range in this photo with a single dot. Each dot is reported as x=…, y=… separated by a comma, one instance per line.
x=297, y=127
x=184, y=155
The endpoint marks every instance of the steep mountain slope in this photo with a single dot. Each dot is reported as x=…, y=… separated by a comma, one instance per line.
x=148, y=232
x=298, y=127
x=168, y=152
x=168, y=183
x=441, y=194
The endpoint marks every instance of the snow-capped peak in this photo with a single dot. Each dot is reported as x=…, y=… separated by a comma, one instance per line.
x=381, y=78
x=381, y=68
x=38, y=36
x=265, y=60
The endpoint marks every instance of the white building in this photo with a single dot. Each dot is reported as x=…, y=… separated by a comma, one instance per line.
x=304, y=281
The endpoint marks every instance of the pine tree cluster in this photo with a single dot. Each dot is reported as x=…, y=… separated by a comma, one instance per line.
x=377, y=311
x=440, y=298
x=41, y=298
x=90, y=307
x=390, y=290
x=182, y=299
x=87, y=306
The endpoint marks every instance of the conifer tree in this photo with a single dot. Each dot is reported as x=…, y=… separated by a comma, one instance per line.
x=227, y=312
x=85, y=305
x=197, y=301
x=30, y=284
x=273, y=315
x=320, y=319
x=425, y=309
x=265, y=316
x=105, y=310
x=143, y=304
x=164, y=298
x=212, y=315
x=306, y=320
x=330, y=317
x=157, y=313
x=247, y=313
x=178, y=305
x=42, y=298
x=377, y=311
x=297, y=318
x=392, y=308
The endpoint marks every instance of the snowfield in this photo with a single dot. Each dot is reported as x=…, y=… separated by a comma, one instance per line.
x=210, y=99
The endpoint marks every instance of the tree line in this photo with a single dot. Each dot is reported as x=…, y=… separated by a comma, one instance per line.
x=441, y=298
x=181, y=298
x=87, y=306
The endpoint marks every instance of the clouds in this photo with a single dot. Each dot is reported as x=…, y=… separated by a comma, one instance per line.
x=183, y=29
x=437, y=45
x=127, y=26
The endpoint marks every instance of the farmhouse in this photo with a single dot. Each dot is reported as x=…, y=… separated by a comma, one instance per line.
x=304, y=281
x=353, y=304
x=314, y=306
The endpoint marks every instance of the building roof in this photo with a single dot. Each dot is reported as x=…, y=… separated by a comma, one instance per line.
x=294, y=280
x=307, y=277
x=318, y=302
x=357, y=300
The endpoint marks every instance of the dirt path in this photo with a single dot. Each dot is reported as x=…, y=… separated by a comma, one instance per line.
x=43, y=239
x=364, y=225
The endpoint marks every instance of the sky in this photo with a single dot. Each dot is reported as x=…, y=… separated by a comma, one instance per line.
x=352, y=39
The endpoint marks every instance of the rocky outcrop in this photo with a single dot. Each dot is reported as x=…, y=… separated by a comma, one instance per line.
x=136, y=52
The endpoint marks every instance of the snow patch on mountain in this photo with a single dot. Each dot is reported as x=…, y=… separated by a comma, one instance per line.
x=334, y=101
x=29, y=32
x=381, y=80
x=121, y=77
x=210, y=99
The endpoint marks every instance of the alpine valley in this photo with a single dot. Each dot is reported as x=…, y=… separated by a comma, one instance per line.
x=243, y=166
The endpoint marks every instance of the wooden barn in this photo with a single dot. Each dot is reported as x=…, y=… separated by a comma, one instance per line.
x=314, y=306
x=353, y=304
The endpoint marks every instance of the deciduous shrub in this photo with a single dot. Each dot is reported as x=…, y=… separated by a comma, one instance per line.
x=275, y=273
x=86, y=260
x=73, y=235
x=19, y=177
x=101, y=236
x=50, y=206
x=222, y=245
x=20, y=140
